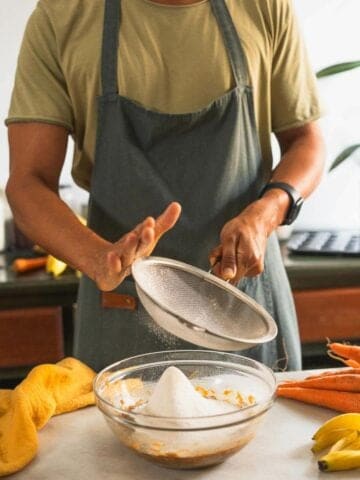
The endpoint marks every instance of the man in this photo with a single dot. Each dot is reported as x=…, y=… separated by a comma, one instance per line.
x=181, y=97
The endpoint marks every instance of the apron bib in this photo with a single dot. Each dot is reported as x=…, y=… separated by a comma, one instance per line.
x=209, y=161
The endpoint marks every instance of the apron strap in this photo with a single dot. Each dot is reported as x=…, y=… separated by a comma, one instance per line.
x=110, y=46
x=232, y=43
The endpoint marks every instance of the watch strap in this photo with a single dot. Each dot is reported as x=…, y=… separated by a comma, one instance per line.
x=295, y=198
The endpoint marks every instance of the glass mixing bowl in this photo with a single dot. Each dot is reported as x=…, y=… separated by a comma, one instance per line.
x=122, y=388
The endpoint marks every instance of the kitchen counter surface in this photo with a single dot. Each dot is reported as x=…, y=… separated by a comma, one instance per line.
x=35, y=288
x=80, y=446
x=317, y=272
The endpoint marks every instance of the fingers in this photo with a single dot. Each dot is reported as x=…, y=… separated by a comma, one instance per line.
x=149, y=223
x=111, y=272
x=249, y=260
x=146, y=242
x=139, y=242
x=129, y=250
x=247, y=267
x=255, y=269
x=152, y=232
x=164, y=222
x=114, y=262
x=167, y=219
x=119, y=261
x=231, y=261
x=143, y=235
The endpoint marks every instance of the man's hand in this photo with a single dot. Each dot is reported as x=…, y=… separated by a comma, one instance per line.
x=241, y=252
x=243, y=240
x=114, y=262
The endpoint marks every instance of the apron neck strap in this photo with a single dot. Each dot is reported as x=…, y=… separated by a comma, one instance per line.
x=232, y=42
x=110, y=46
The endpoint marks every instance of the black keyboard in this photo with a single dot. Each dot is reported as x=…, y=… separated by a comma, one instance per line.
x=323, y=242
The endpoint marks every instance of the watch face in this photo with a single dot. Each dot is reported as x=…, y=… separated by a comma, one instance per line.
x=294, y=211
x=299, y=203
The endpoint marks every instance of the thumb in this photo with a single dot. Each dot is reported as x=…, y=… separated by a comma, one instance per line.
x=228, y=260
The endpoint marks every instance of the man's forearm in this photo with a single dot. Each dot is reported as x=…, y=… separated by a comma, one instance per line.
x=301, y=166
x=50, y=223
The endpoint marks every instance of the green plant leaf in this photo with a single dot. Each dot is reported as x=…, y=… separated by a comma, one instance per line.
x=344, y=155
x=338, y=68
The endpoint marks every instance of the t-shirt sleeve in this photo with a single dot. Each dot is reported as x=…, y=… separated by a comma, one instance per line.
x=294, y=95
x=40, y=93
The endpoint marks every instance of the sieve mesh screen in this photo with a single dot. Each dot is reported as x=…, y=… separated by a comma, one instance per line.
x=201, y=301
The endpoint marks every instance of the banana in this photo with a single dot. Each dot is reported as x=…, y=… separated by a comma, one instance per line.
x=345, y=441
x=341, y=460
x=349, y=421
x=329, y=438
x=354, y=445
x=55, y=266
x=342, y=433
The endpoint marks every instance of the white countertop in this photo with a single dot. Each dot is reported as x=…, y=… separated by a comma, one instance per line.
x=80, y=446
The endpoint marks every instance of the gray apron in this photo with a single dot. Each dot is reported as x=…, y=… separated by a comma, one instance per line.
x=209, y=161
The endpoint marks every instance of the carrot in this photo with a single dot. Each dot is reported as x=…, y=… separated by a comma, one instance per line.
x=347, y=362
x=352, y=363
x=342, y=383
x=341, y=401
x=349, y=352
x=21, y=265
x=339, y=371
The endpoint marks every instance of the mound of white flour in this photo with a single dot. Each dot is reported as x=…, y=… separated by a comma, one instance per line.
x=175, y=396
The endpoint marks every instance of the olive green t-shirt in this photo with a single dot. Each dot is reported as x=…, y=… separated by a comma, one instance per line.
x=171, y=59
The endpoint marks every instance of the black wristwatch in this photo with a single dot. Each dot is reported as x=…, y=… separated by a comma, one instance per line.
x=295, y=197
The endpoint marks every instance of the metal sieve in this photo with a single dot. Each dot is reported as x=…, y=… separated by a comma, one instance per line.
x=199, y=307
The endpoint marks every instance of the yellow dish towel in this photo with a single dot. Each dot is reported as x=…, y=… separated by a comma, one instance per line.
x=47, y=390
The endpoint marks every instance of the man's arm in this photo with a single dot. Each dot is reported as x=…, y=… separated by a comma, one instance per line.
x=37, y=153
x=243, y=239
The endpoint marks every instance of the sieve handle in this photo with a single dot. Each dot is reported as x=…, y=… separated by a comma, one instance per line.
x=218, y=259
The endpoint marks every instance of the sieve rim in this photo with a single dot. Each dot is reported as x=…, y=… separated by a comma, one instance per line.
x=267, y=319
